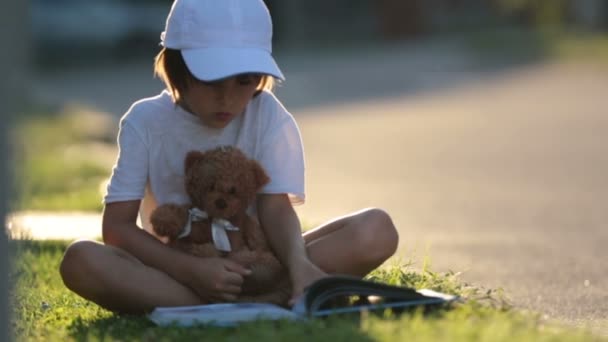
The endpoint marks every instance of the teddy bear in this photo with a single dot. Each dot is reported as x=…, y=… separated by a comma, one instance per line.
x=222, y=183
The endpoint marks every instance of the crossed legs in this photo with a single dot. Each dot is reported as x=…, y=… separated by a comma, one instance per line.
x=354, y=244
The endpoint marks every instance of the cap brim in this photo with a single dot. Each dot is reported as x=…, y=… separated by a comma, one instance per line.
x=210, y=64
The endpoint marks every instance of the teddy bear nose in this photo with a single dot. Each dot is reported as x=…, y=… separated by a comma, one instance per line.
x=220, y=203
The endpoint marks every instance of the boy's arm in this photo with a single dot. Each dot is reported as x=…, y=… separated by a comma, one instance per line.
x=210, y=278
x=282, y=226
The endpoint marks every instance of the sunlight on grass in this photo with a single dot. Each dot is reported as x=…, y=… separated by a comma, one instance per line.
x=591, y=48
x=61, y=158
x=44, y=310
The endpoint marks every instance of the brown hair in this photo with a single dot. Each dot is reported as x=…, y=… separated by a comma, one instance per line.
x=170, y=67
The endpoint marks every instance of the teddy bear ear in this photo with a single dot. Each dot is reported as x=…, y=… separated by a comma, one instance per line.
x=261, y=178
x=191, y=158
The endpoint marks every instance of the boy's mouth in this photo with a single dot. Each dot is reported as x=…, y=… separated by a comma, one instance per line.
x=223, y=116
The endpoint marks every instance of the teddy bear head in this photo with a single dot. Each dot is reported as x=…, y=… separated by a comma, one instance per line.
x=223, y=181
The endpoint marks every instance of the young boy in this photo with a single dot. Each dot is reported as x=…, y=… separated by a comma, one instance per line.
x=217, y=65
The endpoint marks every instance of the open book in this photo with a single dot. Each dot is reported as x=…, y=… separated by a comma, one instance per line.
x=328, y=296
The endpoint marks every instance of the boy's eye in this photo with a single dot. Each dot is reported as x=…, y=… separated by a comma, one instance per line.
x=232, y=191
x=243, y=80
x=210, y=84
x=248, y=79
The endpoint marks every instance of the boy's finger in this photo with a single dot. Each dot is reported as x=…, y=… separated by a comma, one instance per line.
x=228, y=297
x=237, y=268
x=233, y=289
x=293, y=300
x=234, y=279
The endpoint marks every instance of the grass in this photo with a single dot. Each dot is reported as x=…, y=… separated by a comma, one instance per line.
x=61, y=157
x=44, y=310
x=590, y=48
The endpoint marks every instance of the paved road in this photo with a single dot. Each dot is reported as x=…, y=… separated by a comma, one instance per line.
x=504, y=179
x=502, y=175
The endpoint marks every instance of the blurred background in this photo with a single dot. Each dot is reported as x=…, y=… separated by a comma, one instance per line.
x=60, y=29
x=480, y=126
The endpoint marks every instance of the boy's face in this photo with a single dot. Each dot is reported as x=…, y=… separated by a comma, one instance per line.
x=217, y=103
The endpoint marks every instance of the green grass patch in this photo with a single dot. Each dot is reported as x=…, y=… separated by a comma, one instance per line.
x=591, y=48
x=61, y=158
x=44, y=310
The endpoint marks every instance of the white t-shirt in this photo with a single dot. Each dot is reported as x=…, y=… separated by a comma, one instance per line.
x=155, y=136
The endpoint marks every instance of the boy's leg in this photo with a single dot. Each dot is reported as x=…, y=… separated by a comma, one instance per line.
x=354, y=244
x=118, y=281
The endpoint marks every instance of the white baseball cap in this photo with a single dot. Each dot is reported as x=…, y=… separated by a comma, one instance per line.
x=222, y=38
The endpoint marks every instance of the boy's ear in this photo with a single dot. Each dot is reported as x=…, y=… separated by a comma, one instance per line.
x=261, y=178
x=191, y=158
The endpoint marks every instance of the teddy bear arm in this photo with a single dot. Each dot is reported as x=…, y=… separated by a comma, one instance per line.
x=169, y=220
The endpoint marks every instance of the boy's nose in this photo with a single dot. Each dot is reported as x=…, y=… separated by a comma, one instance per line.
x=224, y=99
x=225, y=94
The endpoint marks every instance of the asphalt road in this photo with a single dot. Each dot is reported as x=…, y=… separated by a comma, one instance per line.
x=499, y=174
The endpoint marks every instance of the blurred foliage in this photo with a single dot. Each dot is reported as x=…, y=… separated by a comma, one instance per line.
x=300, y=24
x=588, y=48
x=60, y=159
x=542, y=14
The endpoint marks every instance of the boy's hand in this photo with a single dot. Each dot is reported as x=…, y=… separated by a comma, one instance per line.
x=216, y=279
x=303, y=275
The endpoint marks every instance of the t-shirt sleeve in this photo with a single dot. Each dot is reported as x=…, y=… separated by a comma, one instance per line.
x=130, y=174
x=282, y=156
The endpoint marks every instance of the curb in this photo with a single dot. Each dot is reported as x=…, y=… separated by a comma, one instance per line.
x=38, y=225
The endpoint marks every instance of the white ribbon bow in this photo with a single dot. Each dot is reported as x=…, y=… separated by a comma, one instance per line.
x=218, y=228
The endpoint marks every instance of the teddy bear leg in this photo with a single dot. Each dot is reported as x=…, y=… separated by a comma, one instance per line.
x=278, y=295
x=265, y=271
x=266, y=268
